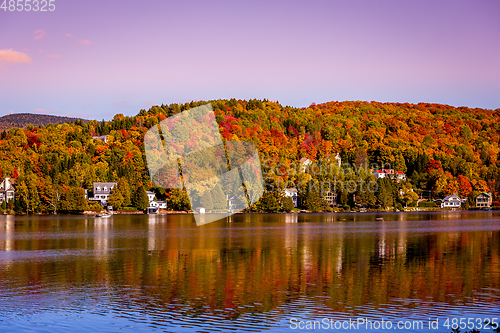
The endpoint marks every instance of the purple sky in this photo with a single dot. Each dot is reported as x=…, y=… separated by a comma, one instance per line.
x=93, y=59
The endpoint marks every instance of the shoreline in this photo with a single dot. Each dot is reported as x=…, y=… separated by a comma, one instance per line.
x=88, y=212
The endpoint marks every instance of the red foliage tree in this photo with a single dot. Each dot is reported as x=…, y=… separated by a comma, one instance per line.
x=15, y=174
x=464, y=186
x=433, y=165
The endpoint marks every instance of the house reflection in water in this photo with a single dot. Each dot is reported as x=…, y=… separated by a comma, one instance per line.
x=291, y=218
x=7, y=227
x=102, y=232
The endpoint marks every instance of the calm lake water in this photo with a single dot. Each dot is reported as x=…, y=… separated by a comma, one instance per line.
x=253, y=272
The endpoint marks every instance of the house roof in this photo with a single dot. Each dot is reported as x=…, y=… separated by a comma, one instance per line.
x=102, y=185
x=448, y=197
x=291, y=190
x=159, y=202
x=7, y=185
x=304, y=159
x=389, y=171
x=150, y=192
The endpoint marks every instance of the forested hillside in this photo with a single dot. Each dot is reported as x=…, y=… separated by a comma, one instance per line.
x=442, y=149
x=22, y=120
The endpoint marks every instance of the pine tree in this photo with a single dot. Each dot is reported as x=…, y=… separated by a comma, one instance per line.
x=178, y=200
x=287, y=204
x=125, y=192
x=271, y=202
x=140, y=199
x=116, y=199
x=385, y=193
x=206, y=200
x=218, y=198
x=313, y=201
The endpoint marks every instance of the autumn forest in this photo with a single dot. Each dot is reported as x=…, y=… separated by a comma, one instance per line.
x=441, y=149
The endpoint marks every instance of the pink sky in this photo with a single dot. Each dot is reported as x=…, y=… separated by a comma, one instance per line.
x=94, y=59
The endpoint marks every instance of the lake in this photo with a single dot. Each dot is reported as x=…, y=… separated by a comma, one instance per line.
x=250, y=272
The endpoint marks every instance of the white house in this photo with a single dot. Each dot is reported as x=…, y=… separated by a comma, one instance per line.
x=484, y=200
x=452, y=201
x=102, y=192
x=232, y=202
x=158, y=204
x=151, y=195
x=292, y=193
x=7, y=190
x=330, y=197
x=389, y=173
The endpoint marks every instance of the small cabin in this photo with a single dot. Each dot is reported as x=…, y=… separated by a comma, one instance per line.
x=484, y=200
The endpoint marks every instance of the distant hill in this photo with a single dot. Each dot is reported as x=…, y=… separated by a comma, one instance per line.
x=22, y=120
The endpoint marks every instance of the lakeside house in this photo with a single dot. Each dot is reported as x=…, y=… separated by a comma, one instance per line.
x=452, y=201
x=7, y=190
x=102, y=192
x=390, y=173
x=158, y=204
x=484, y=200
x=331, y=198
x=292, y=193
x=151, y=195
x=155, y=204
x=232, y=203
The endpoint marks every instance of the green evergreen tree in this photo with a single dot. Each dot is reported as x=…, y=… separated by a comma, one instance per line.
x=140, y=199
x=178, y=200
x=313, y=201
x=287, y=204
x=218, y=199
x=385, y=193
x=23, y=200
x=364, y=193
x=269, y=202
x=272, y=202
x=206, y=200
x=344, y=199
x=125, y=192
x=116, y=199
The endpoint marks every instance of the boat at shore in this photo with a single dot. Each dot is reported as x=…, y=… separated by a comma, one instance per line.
x=103, y=215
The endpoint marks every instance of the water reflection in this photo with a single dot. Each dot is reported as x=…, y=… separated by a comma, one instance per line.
x=250, y=271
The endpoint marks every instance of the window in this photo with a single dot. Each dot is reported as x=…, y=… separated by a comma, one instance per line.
x=98, y=188
x=105, y=188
